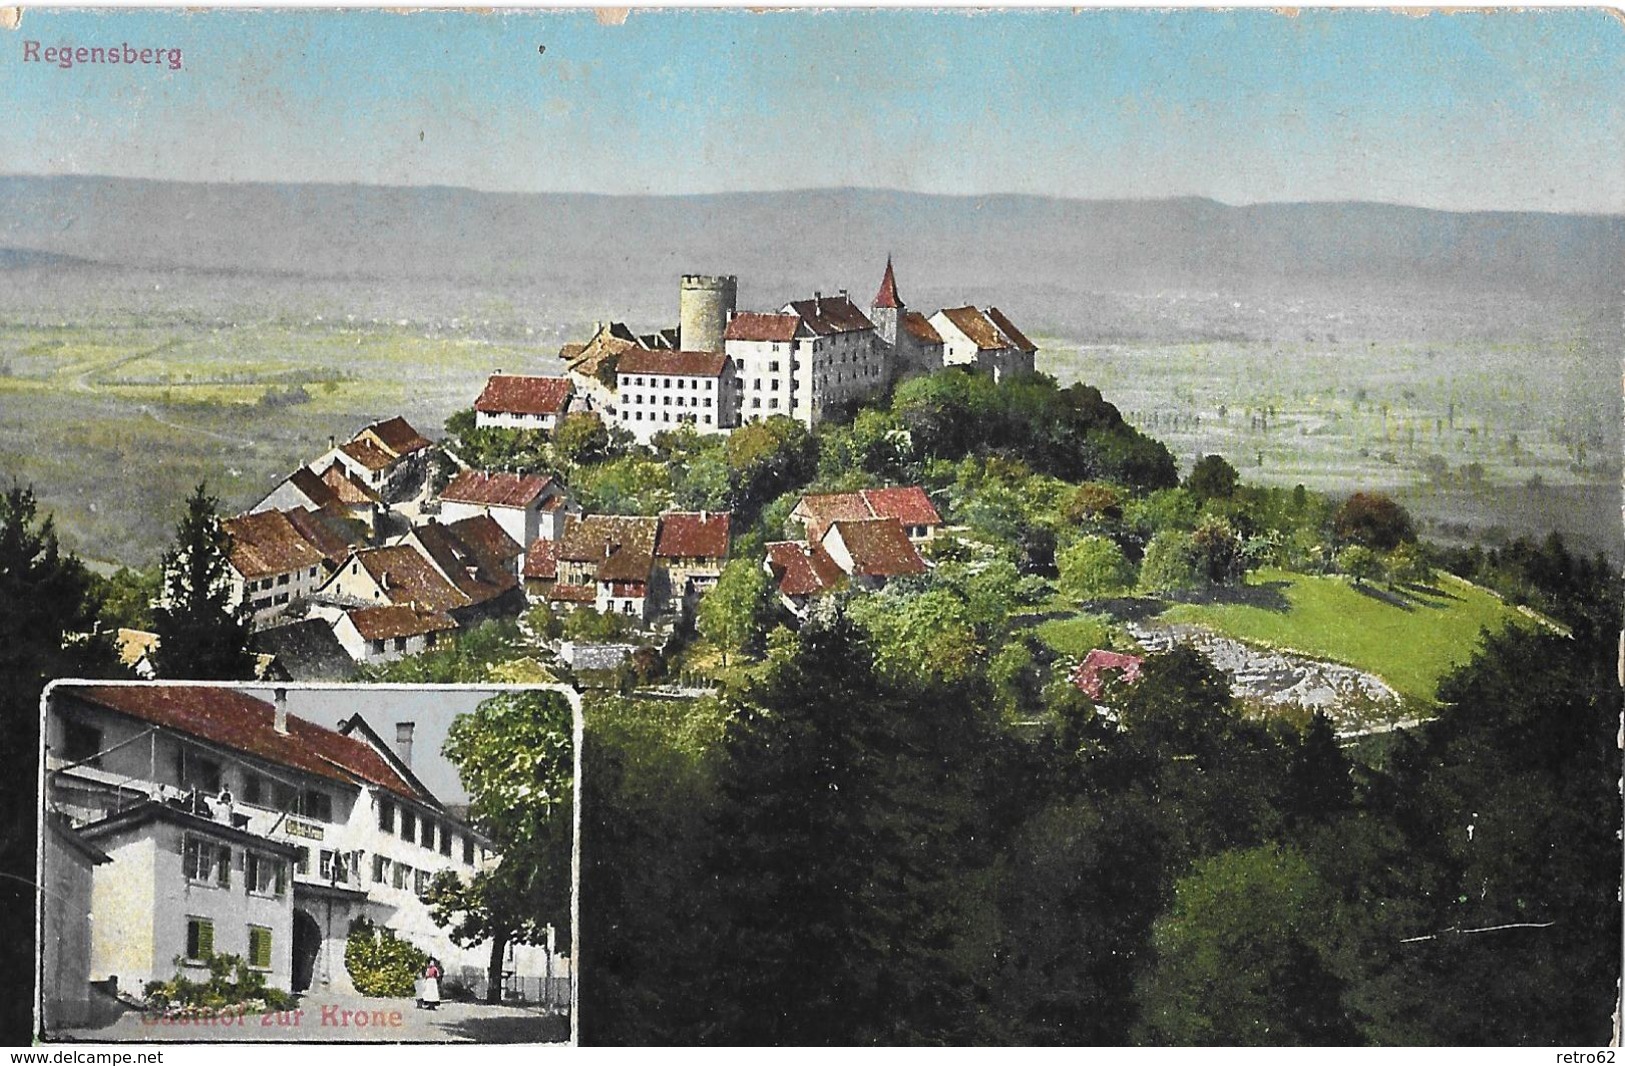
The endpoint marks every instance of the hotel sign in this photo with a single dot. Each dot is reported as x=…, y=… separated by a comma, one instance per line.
x=295, y=828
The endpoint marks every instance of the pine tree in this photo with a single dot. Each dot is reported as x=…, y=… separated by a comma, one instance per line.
x=201, y=634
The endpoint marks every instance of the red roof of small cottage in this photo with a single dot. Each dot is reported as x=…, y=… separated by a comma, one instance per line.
x=367, y=454
x=801, y=569
x=542, y=560
x=266, y=543
x=879, y=548
x=386, y=623
x=495, y=488
x=693, y=535
x=907, y=503
x=238, y=721
x=397, y=435
x=1090, y=675
x=517, y=395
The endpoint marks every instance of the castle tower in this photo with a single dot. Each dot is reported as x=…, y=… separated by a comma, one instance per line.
x=886, y=310
x=704, y=304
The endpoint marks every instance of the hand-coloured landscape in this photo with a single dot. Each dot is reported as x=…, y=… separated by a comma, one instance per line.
x=1088, y=528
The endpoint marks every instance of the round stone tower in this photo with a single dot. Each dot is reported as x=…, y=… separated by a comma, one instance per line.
x=704, y=304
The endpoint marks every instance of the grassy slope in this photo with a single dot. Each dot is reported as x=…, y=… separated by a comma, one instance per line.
x=1411, y=646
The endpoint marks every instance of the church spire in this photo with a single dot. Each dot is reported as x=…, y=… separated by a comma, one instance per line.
x=887, y=296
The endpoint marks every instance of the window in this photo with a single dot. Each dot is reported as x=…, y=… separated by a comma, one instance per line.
x=301, y=861
x=756, y=401
x=205, y=862
x=409, y=825
x=318, y=805
x=773, y=366
x=313, y=571
x=199, y=939
x=386, y=815
x=81, y=742
x=445, y=841
x=709, y=384
x=282, y=597
x=756, y=383
x=468, y=849
x=282, y=579
x=429, y=638
x=666, y=400
x=426, y=837
x=421, y=887
x=402, y=875
x=380, y=870
x=265, y=876
x=197, y=772
x=773, y=403
x=400, y=643
x=377, y=646
x=259, y=947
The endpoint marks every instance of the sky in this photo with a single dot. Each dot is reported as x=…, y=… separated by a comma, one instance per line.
x=1514, y=110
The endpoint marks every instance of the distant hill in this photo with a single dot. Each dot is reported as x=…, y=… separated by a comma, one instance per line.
x=627, y=251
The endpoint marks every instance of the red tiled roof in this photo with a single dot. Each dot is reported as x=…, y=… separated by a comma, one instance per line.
x=238, y=721
x=573, y=593
x=921, y=328
x=1018, y=340
x=486, y=537
x=542, y=560
x=755, y=326
x=495, y=489
x=879, y=547
x=1090, y=676
x=887, y=296
x=476, y=576
x=514, y=394
x=313, y=488
x=695, y=364
x=907, y=503
x=690, y=535
x=830, y=314
x=802, y=570
x=310, y=524
x=408, y=577
x=387, y=623
x=266, y=543
x=622, y=546
x=347, y=491
x=367, y=454
x=397, y=435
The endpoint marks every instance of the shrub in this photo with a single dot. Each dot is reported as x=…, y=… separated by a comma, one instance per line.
x=587, y=623
x=381, y=963
x=231, y=983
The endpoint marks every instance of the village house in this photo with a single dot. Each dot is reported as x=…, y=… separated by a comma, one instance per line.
x=274, y=563
x=908, y=504
x=512, y=401
x=541, y=569
x=332, y=491
x=389, y=457
x=228, y=825
x=607, y=562
x=862, y=553
x=526, y=506
x=916, y=347
x=801, y=571
x=664, y=390
x=371, y=635
x=68, y=863
x=985, y=339
x=690, y=552
x=483, y=568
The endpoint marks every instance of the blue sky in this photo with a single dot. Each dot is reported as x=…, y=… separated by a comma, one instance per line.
x=1509, y=110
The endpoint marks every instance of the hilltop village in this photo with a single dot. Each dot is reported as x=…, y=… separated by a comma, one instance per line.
x=389, y=543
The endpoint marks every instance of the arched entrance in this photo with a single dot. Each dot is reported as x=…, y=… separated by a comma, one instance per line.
x=307, y=942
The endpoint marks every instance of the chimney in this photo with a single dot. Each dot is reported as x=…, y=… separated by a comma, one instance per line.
x=403, y=741
x=332, y=442
x=280, y=723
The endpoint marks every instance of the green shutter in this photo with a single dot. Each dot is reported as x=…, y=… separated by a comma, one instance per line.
x=200, y=937
x=259, y=947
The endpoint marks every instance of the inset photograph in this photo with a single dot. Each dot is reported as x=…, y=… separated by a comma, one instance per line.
x=367, y=863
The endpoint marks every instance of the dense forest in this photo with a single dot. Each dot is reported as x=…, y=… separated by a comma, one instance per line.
x=899, y=821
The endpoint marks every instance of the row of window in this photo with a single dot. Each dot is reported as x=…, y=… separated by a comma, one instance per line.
x=208, y=863
x=279, y=579
x=666, y=400
x=693, y=383
x=665, y=416
x=423, y=830
x=400, y=875
x=376, y=647
x=200, y=943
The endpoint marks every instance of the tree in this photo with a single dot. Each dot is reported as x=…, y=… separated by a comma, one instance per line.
x=1244, y=956
x=1171, y=563
x=1212, y=478
x=1360, y=563
x=202, y=635
x=1374, y=521
x=581, y=437
x=47, y=610
x=515, y=754
x=1093, y=567
x=736, y=613
x=1220, y=555
x=127, y=597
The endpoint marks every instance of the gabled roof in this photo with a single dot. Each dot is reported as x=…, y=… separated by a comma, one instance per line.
x=573, y=593
x=878, y=546
x=920, y=327
x=542, y=560
x=397, y=435
x=408, y=577
x=887, y=296
x=367, y=454
x=801, y=569
x=306, y=650
x=689, y=534
x=386, y=623
x=475, y=575
x=235, y=720
x=1018, y=340
x=756, y=326
x=495, y=488
x=989, y=330
x=487, y=539
x=519, y=395
x=693, y=364
x=318, y=530
x=907, y=503
x=264, y=543
x=825, y=315
x=621, y=546
x=346, y=489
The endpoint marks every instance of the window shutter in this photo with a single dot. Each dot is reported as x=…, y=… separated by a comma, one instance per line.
x=224, y=869
x=281, y=877
x=205, y=939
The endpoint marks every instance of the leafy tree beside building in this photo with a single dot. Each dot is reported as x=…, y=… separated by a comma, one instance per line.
x=202, y=635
